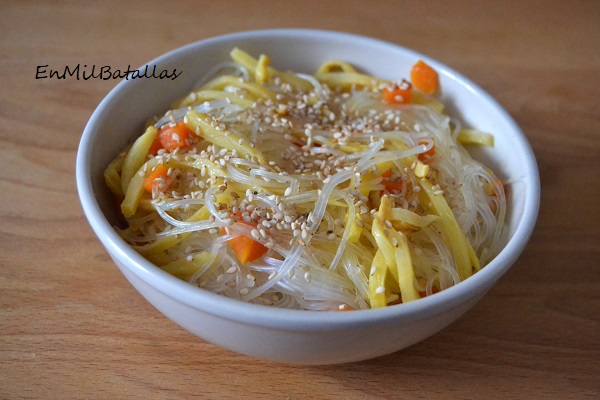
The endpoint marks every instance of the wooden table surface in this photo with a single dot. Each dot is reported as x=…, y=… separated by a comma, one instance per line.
x=71, y=326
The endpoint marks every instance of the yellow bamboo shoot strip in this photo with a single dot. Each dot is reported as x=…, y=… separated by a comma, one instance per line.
x=256, y=90
x=184, y=268
x=112, y=176
x=335, y=66
x=201, y=124
x=471, y=136
x=200, y=96
x=377, y=294
x=385, y=246
x=136, y=157
x=420, y=98
x=346, y=80
x=261, y=74
x=461, y=248
x=155, y=251
x=397, y=255
x=250, y=63
x=135, y=189
x=406, y=219
x=464, y=255
x=406, y=273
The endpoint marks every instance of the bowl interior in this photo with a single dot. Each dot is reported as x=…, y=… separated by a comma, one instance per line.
x=120, y=117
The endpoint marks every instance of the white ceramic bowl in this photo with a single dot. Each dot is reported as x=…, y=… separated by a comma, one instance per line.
x=291, y=336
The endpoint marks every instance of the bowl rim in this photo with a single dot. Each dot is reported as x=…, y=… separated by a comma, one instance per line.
x=255, y=314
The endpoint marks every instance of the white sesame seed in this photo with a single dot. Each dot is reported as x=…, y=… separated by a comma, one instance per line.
x=380, y=290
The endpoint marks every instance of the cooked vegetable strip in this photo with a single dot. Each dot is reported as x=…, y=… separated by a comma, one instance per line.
x=252, y=88
x=261, y=73
x=347, y=79
x=407, y=219
x=136, y=156
x=471, y=136
x=184, y=268
x=377, y=295
x=250, y=63
x=332, y=191
x=200, y=96
x=156, y=250
x=335, y=66
x=460, y=246
x=112, y=176
x=202, y=123
x=406, y=274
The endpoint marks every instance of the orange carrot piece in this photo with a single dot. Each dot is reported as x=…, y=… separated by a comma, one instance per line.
x=246, y=249
x=397, y=95
x=160, y=171
x=424, y=157
x=155, y=147
x=178, y=136
x=390, y=185
x=424, y=78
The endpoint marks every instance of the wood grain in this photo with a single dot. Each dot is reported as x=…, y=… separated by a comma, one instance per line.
x=71, y=327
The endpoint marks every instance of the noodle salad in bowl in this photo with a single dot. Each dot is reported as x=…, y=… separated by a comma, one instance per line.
x=307, y=197
x=331, y=191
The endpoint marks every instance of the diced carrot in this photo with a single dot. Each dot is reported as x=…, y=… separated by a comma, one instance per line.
x=397, y=95
x=160, y=171
x=390, y=185
x=178, y=136
x=424, y=157
x=424, y=78
x=155, y=147
x=246, y=249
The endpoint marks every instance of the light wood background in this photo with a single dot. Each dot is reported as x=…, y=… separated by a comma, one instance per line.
x=71, y=327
